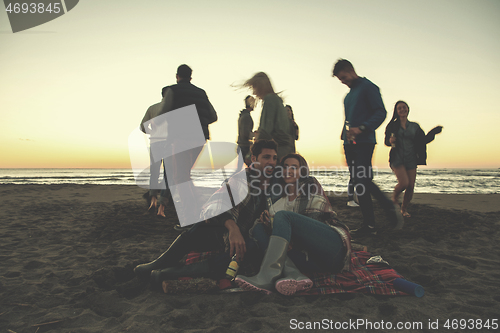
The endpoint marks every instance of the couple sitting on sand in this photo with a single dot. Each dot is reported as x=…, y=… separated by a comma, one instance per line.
x=285, y=214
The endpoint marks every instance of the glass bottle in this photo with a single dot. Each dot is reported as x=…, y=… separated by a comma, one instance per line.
x=232, y=269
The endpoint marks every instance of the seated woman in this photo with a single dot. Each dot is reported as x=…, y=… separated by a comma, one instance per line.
x=300, y=217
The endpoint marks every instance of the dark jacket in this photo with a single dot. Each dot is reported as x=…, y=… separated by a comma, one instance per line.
x=421, y=140
x=363, y=105
x=186, y=94
x=245, y=128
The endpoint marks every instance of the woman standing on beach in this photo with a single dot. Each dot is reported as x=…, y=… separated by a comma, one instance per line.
x=408, y=142
x=300, y=217
x=274, y=123
x=294, y=128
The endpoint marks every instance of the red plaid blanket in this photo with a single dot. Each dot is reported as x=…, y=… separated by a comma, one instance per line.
x=369, y=279
x=193, y=257
x=363, y=278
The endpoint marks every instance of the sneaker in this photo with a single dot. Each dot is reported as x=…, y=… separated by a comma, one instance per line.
x=365, y=230
x=178, y=227
x=352, y=203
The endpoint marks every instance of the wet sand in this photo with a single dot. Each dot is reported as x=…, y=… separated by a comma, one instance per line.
x=67, y=254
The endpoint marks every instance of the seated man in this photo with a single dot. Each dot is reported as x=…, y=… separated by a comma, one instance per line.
x=228, y=231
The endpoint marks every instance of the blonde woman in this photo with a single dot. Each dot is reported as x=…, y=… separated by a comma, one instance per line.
x=274, y=123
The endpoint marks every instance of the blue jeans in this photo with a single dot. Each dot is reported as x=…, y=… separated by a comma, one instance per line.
x=350, y=165
x=360, y=157
x=323, y=244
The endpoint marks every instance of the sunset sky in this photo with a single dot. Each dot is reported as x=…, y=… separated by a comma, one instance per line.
x=72, y=90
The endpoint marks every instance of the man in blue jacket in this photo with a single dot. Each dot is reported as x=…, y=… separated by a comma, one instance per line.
x=364, y=113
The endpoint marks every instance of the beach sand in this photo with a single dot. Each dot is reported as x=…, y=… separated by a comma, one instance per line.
x=67, y=254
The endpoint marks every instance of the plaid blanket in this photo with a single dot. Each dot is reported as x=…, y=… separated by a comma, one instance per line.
x=363, y=278
x=193, y=257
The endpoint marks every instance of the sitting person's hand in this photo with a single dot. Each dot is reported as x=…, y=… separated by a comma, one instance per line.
x=265, y=217
x=236, y=241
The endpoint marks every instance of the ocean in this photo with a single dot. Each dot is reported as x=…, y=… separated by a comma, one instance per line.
x=460, y=181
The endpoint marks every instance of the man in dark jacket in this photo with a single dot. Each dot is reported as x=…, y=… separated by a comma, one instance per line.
x=185, y=140
x=364, y=113
x=245, y=132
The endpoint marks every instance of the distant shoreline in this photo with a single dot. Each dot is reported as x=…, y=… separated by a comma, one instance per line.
x=483, y=203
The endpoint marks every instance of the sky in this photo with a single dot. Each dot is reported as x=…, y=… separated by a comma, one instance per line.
x=74, y=89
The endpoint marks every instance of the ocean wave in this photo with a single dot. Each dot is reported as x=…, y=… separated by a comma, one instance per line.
x=486, y=181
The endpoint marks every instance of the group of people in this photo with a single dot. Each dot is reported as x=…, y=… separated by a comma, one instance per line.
x=285, y=222
x=246, y=134
x=364, y=113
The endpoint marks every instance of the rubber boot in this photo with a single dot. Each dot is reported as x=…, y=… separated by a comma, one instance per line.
x=270, y=270
x=293, y=280
x=169, y=258
x=198, y=269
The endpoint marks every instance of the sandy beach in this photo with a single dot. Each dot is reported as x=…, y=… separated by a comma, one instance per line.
x=67, y=254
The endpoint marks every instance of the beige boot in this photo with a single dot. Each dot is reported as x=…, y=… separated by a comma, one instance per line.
x=293, y=280
x=270, y=270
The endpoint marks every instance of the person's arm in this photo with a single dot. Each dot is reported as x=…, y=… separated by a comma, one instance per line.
x=212, y=115
x=167, y=103
x=236, y=241
x=147, y=116
x=318, y=206
x=432, y=133
x=389, y=130
x=376, y=104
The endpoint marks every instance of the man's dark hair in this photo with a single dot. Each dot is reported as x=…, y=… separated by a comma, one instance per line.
x=257, y=147
x=163, y=91
x=342, y=65
x=246, y=101
x=184, y=71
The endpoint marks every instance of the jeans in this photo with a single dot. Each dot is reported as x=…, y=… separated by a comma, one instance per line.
x=178, y=173
x=350, y=186
x=323, y=244
x=360, y=156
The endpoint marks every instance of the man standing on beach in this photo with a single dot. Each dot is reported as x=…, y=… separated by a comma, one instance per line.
x=182, y=141
x=364, y=113
x=245, y=131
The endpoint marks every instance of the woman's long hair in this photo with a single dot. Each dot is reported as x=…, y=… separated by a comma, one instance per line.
x=303, y=171
x=260, y=83
x=395, y=123
x=303, y=167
